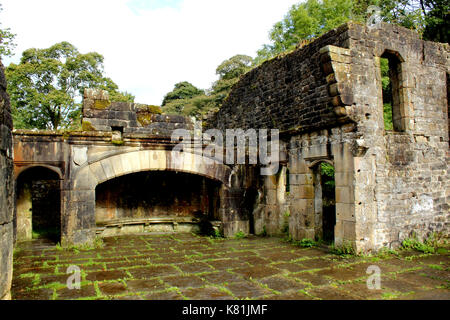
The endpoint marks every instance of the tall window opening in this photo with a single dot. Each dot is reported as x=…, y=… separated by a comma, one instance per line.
x=393, y=104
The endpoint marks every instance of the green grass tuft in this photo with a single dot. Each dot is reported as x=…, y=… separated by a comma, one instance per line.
x=240, y=235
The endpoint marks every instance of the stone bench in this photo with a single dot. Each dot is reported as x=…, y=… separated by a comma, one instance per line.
x=154, y=224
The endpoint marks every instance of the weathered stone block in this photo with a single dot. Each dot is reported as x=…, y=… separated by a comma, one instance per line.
x=96, y=170
x=6, y=259
x=344, y=179
x=345, y=195
x=7, y=192
x=300, y=179
x=345, y=211
x=303, y=206
x=108, y=169
x=231, y=228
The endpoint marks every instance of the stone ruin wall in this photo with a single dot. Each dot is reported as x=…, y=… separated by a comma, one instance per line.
x=270, y=97
x=118, y=139
x=6, y=191
x=326, y=99
x=401, y=177
x=100, y=114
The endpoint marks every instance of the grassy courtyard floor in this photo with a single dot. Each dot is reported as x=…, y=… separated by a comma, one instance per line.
x=186, y=266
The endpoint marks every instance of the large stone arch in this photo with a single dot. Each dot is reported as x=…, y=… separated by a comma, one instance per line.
x=38, y=199
x=92, y=174
x=79, y=198
x=19, y=170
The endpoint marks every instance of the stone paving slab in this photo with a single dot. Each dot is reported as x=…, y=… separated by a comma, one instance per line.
x=206, y=293
x=188, y=266
x=221, y=277
x=330, y=293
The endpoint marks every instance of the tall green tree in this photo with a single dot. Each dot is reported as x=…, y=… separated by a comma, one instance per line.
x=407, y=13
x=7, y=43
x=437, y=20
x=310, y=19
x=430, y=18
x=182, y=90
x=188, y=100
x=229, y=72
x=47, y=85
x=305, y=21
x=183, y=99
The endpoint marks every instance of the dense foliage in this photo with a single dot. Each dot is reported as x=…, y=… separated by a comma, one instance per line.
x=310, y=19
x=303, y=22
x=188, y=100
x=47, y=85
x=7, y=44
x=182, y=90
x=437, y=20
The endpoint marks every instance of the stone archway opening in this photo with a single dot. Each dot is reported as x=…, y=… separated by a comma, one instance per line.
x=249, y=203
x=324, y=201
x=38, y=204
x=156, y=201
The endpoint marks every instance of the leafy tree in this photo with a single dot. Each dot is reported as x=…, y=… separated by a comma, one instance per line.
x=182, y=90
x=308, y=20
x=195, y=106
x=327, y=173
x=303, y=22
x=7, y=44
x=47, y=85
x=406, y=13
x=429, y=18
x=437, y=20
x=234, y=67
x=188, y=100
x=229, y=72
x=387, y=94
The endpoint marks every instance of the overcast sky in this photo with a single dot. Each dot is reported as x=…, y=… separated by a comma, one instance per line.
x=148, y=45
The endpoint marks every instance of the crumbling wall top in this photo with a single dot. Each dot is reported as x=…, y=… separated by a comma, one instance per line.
x=101, y=114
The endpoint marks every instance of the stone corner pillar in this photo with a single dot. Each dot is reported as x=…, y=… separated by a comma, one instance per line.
x=231, y=213
x=6, y=192
x=78, y=208
x=78, y=218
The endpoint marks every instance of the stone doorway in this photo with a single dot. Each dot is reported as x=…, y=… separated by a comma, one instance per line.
x=324, y=201
x=249, y=203
x=38, y=203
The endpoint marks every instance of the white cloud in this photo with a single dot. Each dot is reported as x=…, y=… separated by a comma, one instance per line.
x=148, y=48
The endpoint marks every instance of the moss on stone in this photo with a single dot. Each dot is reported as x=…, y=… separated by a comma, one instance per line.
x=101, y=104
x=145, y=112
x=87, y=126
x=149, y=108
x=66, y=134
x=117, y=142
x=144, y=118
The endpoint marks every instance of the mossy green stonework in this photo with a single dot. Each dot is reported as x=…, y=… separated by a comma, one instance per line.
x=101, y=104
x=87, y=126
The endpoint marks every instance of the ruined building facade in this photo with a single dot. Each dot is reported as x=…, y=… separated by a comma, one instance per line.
x=121, y=175
x=326, y=99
